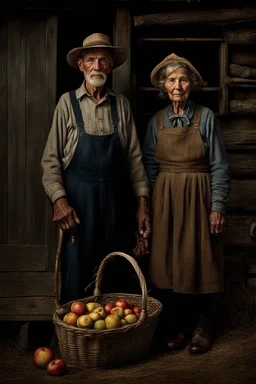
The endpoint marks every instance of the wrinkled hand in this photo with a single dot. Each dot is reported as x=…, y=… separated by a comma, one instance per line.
x=141, y=246
x=143, y=218
x=144, y=228
x=217, y=222
x=64, y=215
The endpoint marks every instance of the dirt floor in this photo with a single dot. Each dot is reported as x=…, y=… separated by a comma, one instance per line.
x=231, y=360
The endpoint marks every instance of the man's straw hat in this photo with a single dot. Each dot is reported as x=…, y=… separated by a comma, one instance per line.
x=98, y=40
x=173, y=58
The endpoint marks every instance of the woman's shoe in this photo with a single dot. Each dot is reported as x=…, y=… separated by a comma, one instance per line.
x=179, y=342
x=201, y=341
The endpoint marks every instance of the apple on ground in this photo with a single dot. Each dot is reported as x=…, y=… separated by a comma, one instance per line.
x=99, y=324
x=118, y=311
x=131, y=319
x=108, y=307
x=91, y=306
x=121, y=303
x=78, y=307
x=112, y=321
x=42, y=356
x=71, y=318
x=84, y=321
x=101, y=311
x=56, y=367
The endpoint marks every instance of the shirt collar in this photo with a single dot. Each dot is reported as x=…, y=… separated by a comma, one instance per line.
x=188, y=113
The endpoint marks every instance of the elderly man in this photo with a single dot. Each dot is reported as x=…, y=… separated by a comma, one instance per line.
x=93, y=171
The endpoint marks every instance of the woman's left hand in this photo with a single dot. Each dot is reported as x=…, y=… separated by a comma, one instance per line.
x=217, y=221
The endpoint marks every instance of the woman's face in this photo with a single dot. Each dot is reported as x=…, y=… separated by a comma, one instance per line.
x=178, y=85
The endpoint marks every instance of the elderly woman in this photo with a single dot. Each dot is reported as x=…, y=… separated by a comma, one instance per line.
x=188, y=169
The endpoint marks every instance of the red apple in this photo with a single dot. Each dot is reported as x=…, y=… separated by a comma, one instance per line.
x=130, y=304
x=71, y=318
x=108, y=307
x=56, y=367
x=42, y=356
x=136, y=310
x=118, y=311
x=121, y=303
x=78, y=307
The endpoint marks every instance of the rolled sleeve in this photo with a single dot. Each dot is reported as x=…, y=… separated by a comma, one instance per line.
x=51, y=161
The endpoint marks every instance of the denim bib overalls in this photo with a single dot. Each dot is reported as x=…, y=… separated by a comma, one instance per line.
x=98, y=187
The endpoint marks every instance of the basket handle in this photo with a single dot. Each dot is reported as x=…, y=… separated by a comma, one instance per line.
x=136, y=268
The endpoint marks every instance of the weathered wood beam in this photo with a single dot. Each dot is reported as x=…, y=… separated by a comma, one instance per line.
x=237, y=80
x=243, y=58
x=242, y=196
x=221, y=17
x=243, y=106
x=237, y=132
x=243, y=165
x=22, y=257
x=241, y=36
x=236, y=70
x=121, y=78
x=37, y=284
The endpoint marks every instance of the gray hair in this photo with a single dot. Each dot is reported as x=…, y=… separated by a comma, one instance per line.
x=169, y=68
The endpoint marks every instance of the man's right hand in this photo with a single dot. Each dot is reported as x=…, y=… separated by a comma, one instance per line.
x=64, y=215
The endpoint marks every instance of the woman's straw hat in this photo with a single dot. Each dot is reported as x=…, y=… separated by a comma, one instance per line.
x=173, y=58
x=98, y=40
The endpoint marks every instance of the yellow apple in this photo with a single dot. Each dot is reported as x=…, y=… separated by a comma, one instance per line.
x=99, y=324
x=71, y=318
x=123, y=322
x=91, y=306
x=84, y=321
x=94, y=316
x=112, y=321
x=131, y=318
x=101, y=311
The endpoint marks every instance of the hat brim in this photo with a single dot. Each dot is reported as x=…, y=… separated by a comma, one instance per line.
x=119, y=55
x=154, y=77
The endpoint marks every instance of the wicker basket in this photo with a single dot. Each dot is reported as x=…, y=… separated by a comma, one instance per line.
x=89, y=348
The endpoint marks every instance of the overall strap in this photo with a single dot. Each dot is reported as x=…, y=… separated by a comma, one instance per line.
x=77, y=111
x=113, y=106
x=197, y=115
x=160, y=119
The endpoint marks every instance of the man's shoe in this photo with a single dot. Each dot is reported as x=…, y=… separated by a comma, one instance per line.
x=179, y=342
x=201, y=341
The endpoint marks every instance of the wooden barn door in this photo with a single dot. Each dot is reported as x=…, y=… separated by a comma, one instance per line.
x=27, y=235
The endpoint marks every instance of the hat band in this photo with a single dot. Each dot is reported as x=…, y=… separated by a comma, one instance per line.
x=97, y=43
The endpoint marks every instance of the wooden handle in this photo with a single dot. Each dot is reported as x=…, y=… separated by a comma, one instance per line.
x=57, y=261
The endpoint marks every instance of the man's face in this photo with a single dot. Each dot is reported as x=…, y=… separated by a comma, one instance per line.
x=96, y=64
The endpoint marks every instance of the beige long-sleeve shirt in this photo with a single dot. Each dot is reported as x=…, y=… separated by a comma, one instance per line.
x=63, y=138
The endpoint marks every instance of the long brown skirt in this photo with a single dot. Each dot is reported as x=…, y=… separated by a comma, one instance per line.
x=185, y=257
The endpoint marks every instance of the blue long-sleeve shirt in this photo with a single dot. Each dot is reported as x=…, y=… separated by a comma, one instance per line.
x=213, y=144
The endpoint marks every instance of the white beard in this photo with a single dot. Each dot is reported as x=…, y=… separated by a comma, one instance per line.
x=96, y=82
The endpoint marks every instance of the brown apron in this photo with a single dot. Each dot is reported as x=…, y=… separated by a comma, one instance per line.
x=185, y=257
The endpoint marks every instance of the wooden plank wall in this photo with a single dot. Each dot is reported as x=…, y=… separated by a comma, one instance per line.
x=27, y=242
